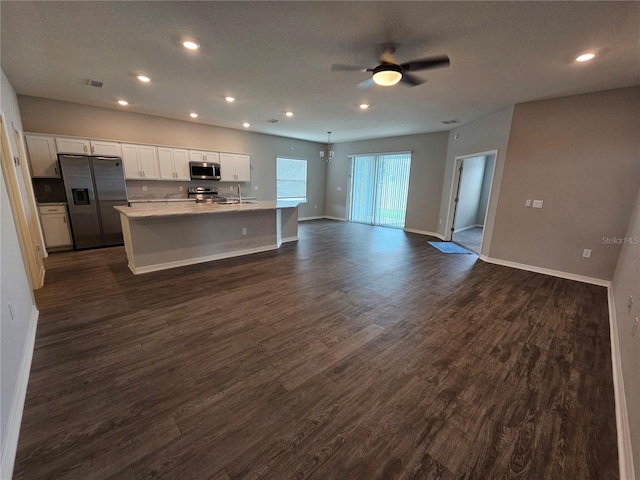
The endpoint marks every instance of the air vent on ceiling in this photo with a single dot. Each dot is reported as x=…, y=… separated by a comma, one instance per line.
x=273, y=120
x=450, y=122
x=95, y=83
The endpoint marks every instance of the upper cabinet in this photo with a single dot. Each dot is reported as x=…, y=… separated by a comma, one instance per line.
x=140, y=162
x=88, y=147
x=235, y=167
x=73, y=145
x=174, y=163
x=43, y=156
x=204, y=156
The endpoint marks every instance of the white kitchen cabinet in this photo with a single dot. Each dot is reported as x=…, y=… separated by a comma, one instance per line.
x=140, y=162
x=55, y=226
x=105, y=148
x=88, y=147
x=73, y=145
x=43, y=156
x=174, y=163
x=235, y=167
x=204, y=156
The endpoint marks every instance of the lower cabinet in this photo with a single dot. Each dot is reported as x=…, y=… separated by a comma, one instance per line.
x=55, y=226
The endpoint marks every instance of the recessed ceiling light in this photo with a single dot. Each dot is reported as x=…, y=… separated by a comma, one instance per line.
x=246, y=125
x=230, y=99
x=364, y=106
x=123, y=102
x=193, y=115
x=144, y=79
x=289, y=114
x=585, y=57
x=190, y=45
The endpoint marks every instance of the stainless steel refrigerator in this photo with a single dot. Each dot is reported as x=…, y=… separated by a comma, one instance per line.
x=94, y=185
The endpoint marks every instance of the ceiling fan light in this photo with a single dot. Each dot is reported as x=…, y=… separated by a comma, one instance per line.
x=387, y=75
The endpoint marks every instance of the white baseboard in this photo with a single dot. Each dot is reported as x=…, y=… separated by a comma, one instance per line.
x=625, y=453
x=192, y=261
x=10, y=443
x=458, y=230
x=424, y=232
x=290, y=239
x=547, y=271
x=328, y=217
x=304, y=219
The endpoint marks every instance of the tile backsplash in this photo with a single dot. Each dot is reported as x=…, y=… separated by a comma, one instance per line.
x=49, y=190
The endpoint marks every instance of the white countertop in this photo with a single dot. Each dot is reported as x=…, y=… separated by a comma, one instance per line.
x=165, y=200
x=190, y=208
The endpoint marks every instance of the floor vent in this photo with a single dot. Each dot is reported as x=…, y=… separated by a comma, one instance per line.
x=95, y=83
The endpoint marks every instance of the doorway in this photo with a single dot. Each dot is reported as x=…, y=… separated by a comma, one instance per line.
x=473, y=189
x=380, y=188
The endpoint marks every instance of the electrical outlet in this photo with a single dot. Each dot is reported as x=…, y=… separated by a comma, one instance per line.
x=339, y=189
x=630, y=304
x=180, y=188
x=144, y=188
x=244, y=231
x=527, y=203
x=255, y=188
x=440, y=222
x=315, y=206
x=537, y=204
x=586, y=253
x=231, y=189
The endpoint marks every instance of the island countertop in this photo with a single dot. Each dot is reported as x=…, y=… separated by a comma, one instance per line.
x=153, y=210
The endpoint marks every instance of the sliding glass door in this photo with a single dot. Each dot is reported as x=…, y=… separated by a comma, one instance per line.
x=379, y=189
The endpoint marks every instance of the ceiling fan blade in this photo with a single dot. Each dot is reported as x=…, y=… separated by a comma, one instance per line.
x=368, y=83
x=411, y=80
x=425, y=63
x=339, y=67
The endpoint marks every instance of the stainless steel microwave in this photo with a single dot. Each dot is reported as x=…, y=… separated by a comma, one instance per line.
x=204, y=170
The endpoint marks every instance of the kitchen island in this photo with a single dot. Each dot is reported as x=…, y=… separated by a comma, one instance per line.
x=162, y=236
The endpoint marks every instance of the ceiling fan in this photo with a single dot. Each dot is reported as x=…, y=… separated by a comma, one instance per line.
x=389, y=72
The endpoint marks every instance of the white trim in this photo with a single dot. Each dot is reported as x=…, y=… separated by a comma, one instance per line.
x=304, y=219
x=192, y=261
x=10, y=444
x=290, y=239
x=335, y=218
x=424, y=232
x=376, y=154
x=547, y=271
x=458, y=230
x=625, y=453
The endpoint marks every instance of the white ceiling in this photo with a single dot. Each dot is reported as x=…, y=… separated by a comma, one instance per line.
x=275, y=56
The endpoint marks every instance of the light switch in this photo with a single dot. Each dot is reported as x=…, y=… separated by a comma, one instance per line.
x=537, y=204
x=339, y=189
x=586, y=253
x=255, y=187
x=527, y=203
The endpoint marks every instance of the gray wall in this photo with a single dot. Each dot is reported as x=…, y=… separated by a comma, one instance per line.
x=486, y=189
x=470, y=192
x=626, y=283
x=483, y=135
x=579, y=155
x=14, y=288
x=425, y=183
x=64, y=118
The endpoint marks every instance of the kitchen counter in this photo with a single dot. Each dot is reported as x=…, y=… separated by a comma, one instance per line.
x=184, y=208
x=161, y=200
x=158, y=236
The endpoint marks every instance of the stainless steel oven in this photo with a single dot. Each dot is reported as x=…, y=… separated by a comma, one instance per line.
x=204, y=170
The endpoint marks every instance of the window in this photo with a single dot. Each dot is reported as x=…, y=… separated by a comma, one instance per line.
x=291, y=179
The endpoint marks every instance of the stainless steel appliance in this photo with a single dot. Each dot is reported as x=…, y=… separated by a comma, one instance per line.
x=204, y=170
x=205, y=194
x=94, y=185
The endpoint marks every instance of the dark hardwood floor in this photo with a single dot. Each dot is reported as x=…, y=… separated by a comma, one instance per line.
x=357, y=353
